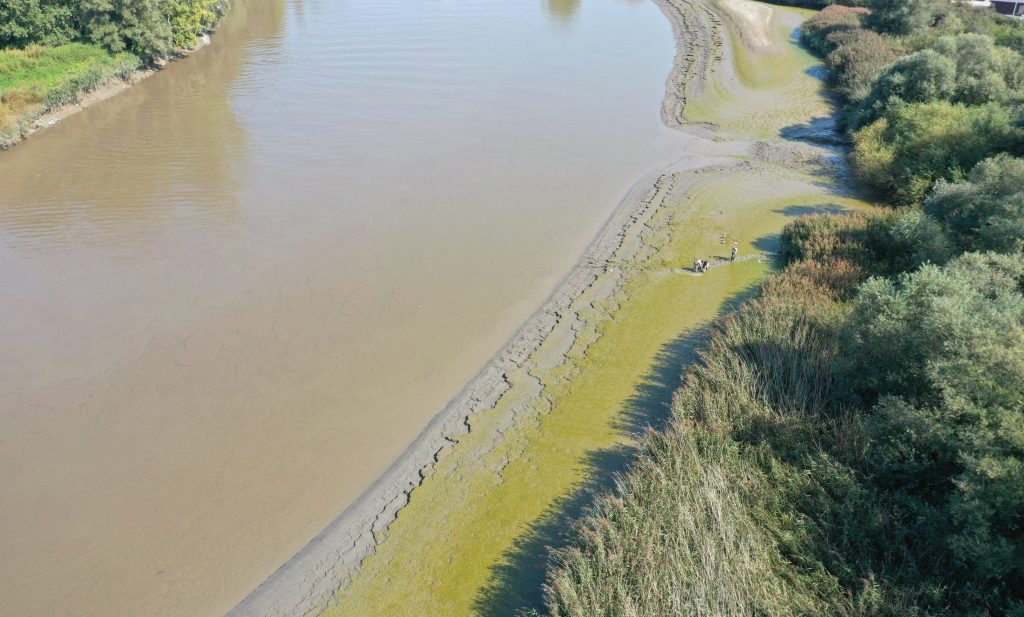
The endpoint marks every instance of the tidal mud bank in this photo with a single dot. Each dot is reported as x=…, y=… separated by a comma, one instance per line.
x=458, y=525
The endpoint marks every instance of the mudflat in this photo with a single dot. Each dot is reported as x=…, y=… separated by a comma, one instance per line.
x=471, y=538
x=235, y=293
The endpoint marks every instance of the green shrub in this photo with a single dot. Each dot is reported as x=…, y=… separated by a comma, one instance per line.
x=902, y=154
x=832, y=19
x=942, y=351
x=986, y=211
x=982, y=73
x=921, y=77
x=27, y=22
x=857, y=58
x=901, y=17
x=921, y=240
x=190, y=18
x=137, y=26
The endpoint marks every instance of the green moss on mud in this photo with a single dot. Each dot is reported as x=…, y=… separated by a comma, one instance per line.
x=472, y=539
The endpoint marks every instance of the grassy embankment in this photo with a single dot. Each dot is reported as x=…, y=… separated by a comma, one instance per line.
x=53, y=52
x=852, y=440
x=472, y=539
x=38, y=79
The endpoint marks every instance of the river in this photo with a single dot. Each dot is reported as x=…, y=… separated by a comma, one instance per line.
x=233, y=294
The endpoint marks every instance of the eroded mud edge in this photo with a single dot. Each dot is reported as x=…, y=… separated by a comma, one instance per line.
x=304, y=585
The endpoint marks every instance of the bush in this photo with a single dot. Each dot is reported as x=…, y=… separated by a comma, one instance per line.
x=985, y=212
x=900, y=17
x=27, y=22
x=857, y=58
x=903, y=154
x=138, y=26
x=982, y=73
x=922, y=240
x=832, y=19
x=190, y=18
x=921, y=77
x=942, y=351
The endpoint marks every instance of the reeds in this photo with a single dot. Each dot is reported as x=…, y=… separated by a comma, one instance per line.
x=744, y=505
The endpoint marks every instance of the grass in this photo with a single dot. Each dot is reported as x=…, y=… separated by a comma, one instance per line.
x=39, y=79
x=740, y=506
x=473, y=539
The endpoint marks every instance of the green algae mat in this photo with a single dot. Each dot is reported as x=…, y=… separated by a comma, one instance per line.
x=473, y=539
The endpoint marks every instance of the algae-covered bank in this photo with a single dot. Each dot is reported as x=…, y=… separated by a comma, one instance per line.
x=461, y=524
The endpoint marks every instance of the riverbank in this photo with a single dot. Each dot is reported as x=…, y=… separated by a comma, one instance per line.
x=467, y=511
x=29, y=108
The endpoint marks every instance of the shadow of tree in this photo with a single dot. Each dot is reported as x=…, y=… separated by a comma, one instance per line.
x=515, y=585
x=821, y=130
x=796, y=210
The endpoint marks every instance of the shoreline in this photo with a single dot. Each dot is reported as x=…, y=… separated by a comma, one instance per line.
x=109, y=89
x=304, y=585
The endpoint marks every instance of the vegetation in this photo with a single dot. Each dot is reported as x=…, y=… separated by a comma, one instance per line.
x=54, y=51
x=851, y=442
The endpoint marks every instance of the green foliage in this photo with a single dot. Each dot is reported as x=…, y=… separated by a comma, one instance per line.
x=901, y=17
x=921, y=77
x=983, y=74
x=902, y=154
x=921, y=240
x=147, y=28
x=771, y=495
x=835, y=18
x=25, y=22
x=190, y=18
x=942, y=350
x=53, y=51
x=138, y=26
x=986, y=211
x=857, y=58
x=848, y=447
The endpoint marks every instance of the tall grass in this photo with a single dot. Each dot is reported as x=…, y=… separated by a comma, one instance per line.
x=39, y=79
x=751, y=502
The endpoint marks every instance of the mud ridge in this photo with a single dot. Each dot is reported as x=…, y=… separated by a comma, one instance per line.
x=304, y=586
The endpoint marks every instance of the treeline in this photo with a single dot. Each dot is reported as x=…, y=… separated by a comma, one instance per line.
x=931, y=88
x=146, y=28
x=852, y=441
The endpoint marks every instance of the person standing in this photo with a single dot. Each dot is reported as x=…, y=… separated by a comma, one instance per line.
x=735, y=249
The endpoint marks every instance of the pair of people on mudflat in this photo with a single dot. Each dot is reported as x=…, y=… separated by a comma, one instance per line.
x=702, y=265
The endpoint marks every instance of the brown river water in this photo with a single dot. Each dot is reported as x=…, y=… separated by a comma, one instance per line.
x=231, y=296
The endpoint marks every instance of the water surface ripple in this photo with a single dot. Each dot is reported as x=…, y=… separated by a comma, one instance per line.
x=233, y=294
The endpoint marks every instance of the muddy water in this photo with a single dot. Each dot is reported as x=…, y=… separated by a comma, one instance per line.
x=232, y=295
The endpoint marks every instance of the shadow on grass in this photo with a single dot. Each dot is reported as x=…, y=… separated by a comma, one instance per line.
x=515, y=585
x=803, y=210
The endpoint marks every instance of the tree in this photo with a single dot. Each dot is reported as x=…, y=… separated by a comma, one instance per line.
x=922, y=240
x=981, y=71
x=900, y=17
x=921, y=77
x=26, y=22
x=985, y=212
x=902, y=154
x=942, y=351
x=138, y=26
